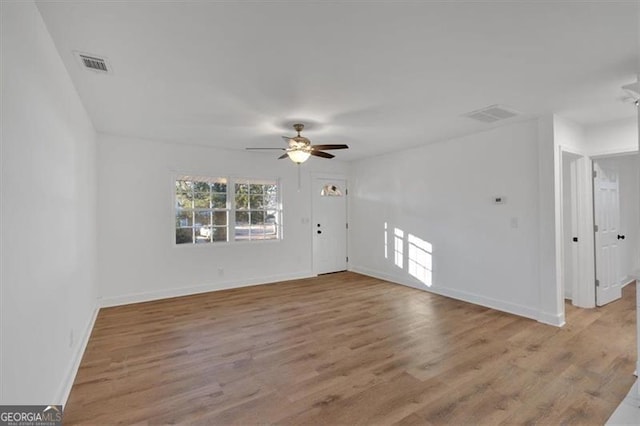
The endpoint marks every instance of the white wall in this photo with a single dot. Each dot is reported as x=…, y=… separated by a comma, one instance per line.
x=612, y=137
x=442, y=193
x=48, y=256
x=138, y=259
x=551, y=306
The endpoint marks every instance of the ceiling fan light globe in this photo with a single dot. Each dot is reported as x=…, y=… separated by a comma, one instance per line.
x=298, y=156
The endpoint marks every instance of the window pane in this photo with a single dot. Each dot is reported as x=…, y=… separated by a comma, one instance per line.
x=219, y=187
x=202, y=219
x=203, y=228
x=271, y=200
x=201, y=187
x=219, y=201
x=242, y=226
x=203, y=234
x=184, y=218
x=256, y=202
x=184, y=235
x=202, y=200
x=272, y=217
x=219, y=233
x=220, y=218
x=242, y=188
x=242, y=196
x=184, y=186
x=256, y=189
x=242, y=218
x=257, y=217
x=184, y=199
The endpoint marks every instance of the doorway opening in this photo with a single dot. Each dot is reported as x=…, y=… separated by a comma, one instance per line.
x=575, y=238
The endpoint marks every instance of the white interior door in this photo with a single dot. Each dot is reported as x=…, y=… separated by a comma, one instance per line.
x=329, y=225
x=607, y=219
x=570, y=224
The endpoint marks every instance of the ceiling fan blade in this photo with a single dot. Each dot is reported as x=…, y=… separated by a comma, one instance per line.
x=255, y=149
x=283, y=156
x=321, y=154
x=286, y=139
x=333, y=146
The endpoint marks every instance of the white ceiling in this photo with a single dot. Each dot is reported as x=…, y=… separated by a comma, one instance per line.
x=376, y=75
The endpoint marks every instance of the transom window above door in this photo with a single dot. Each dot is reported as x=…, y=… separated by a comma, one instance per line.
x=331, y=190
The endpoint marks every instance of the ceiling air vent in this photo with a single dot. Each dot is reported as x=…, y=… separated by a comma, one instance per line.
x=93, y=62
x=492, y=113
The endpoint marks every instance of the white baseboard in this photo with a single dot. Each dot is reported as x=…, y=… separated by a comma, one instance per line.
x=628, y=280
x=476, y=299
x=204, y=288
x=70, y=376
x=551, y=319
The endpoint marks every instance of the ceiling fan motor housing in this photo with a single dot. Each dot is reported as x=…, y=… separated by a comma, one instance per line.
x=299, y=141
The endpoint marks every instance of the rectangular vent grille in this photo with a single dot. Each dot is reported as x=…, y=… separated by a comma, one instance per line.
x=491, y=114
x=93, y=63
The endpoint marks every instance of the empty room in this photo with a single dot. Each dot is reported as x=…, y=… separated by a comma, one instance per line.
x=319, y=212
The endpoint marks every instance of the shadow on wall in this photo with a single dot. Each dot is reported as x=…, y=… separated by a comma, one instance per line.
x=419, y=254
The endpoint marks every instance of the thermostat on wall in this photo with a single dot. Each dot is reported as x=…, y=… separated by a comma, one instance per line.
x=498, y=199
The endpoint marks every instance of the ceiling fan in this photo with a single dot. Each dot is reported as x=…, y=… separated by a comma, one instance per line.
x=300, y=149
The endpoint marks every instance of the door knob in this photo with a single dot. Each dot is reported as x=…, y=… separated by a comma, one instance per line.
x=620, y=237
x=575, y=239
x=319, y=231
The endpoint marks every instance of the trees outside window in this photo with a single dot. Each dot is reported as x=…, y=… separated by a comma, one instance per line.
x=220, y=209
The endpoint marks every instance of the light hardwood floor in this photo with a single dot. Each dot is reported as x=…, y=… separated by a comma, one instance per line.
x=349, y=349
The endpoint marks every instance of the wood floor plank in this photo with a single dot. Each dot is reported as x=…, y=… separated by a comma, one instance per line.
x=349, y=349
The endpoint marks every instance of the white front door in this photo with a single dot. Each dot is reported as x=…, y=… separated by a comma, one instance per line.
x=607, y=219
x=329, y=225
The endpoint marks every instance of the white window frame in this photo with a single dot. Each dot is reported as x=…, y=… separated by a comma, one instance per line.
x=231, y=182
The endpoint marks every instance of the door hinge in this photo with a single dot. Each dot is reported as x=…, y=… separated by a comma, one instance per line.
x=595, y=174
x=347, y=225
x=597, y=283
x=346, y=191
x=595, y=228
x=347, y=259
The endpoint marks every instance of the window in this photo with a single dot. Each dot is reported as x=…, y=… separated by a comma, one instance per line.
x=202, y=213
x=213, y=210
x=331, y=190
x=256, y=210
